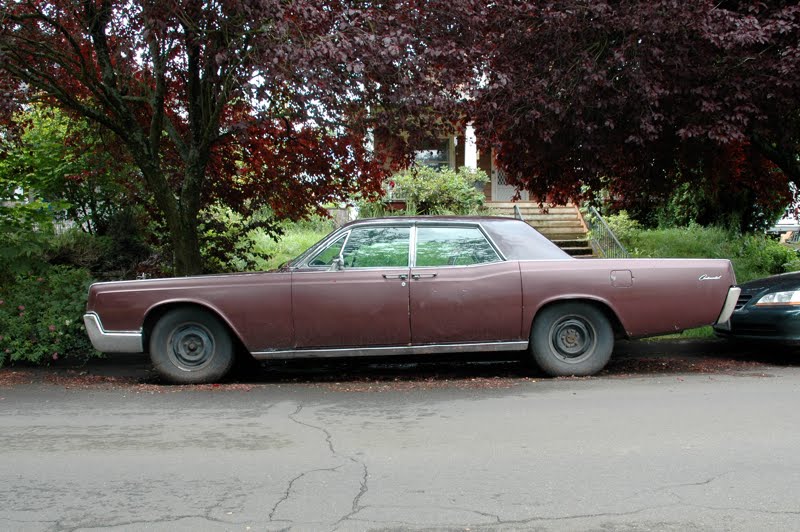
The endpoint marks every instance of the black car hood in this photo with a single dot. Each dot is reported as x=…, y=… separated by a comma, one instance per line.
x=785, y=280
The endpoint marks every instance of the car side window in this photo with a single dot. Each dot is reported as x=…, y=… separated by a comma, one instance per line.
x=377, y=247
x=331, y=251
x=453, y=246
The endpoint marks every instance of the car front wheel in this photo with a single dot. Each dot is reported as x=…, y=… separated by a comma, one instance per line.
x=571, y=339
x=190, y=346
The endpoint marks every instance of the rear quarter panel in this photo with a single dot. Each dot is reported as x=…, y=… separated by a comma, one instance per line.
x=663, y=296
x=257, y=307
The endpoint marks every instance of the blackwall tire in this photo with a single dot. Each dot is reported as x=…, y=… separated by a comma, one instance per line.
x=189, y=345
x=571, y=339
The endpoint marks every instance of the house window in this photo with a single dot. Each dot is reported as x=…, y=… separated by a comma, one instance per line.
x=437, y=154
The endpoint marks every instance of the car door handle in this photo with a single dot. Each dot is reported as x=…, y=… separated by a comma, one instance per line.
x=418, y=276
x=402, y=276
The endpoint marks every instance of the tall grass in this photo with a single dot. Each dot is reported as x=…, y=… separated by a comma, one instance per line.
x=297, y=237
x=752, y=255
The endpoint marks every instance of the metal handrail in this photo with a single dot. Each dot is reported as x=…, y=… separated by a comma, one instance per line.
x=604, y=241
x=517, y=212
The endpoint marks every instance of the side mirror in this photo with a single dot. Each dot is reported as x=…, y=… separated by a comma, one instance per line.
x=337, y=264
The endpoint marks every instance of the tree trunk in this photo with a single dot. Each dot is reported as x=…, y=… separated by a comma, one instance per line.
x=186, y=246
x=185, y=239
x=783, y=154
x=180, y=215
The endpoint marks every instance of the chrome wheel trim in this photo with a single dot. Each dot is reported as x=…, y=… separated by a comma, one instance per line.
x=572, y=339
x=191, y=346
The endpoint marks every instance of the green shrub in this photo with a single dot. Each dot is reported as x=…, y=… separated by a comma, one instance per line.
x=270, y=252
x=228, y=240
x=80, y=250
x=759, y=256
x=25, y=232
x=623, y=226
x=683, y=207
x=41, y=316
x=431, y=191
x=232, y=242
x=753, y=256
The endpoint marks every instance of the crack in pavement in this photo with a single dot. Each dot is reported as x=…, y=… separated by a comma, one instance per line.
x=356, y=506
x=500, y=521
x=364, y=486
x=232, y=501
x=288, y=491
x=670, y=487
x=175, y=519
x=753, y=510
x=531, y=520
x=494, y=517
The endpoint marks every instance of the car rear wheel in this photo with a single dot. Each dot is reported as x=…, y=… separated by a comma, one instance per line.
x=571, y=339
x=190, y=346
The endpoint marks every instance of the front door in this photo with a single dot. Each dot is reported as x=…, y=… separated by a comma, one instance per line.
x=365, y=302
x=501, y=190
x=461, y=289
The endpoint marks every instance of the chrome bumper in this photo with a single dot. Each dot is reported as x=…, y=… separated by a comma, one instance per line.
x=730, y=304
x=114, y=341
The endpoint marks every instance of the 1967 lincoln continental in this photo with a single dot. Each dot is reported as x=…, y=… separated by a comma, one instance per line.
x=415, y=285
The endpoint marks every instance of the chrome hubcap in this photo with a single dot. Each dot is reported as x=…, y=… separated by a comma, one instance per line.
x=191, y=346
x=572, y=339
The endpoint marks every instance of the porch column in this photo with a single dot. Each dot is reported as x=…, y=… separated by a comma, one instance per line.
x=470, y=148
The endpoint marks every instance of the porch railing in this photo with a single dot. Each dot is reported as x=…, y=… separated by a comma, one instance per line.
x=604, y=241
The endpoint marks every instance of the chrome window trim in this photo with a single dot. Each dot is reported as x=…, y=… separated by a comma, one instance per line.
x=349, y=230
x=319, y=269
x=312, y=252
x=410, y=228
x=324, y=247
x=426, y=349
x=412, y=249
x=475, y=225
x=491, y=241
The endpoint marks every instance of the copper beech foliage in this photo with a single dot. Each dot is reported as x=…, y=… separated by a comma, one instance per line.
x=276, y=102
x=250, y=101
x=637, y=96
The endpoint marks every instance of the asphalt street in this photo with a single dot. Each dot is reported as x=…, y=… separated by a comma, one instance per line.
x=659, y=442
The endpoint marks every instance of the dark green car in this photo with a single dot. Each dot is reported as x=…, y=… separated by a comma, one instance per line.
x=767, y=309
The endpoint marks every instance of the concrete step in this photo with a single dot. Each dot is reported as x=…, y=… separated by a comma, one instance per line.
x=526, y=205
x=549, y=223
x=533, y=218
x=561, y=224
x=579, y=252
x=563, y=235
x=572, y=243
x=528, y=213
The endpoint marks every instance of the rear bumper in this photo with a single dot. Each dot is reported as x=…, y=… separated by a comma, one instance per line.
x=112, y=341
x=730, y=304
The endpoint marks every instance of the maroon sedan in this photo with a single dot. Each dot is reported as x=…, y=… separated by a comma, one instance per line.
x=412, y=286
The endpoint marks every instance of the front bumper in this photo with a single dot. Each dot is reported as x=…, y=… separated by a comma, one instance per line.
x=112, y=341
x=773, y=323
